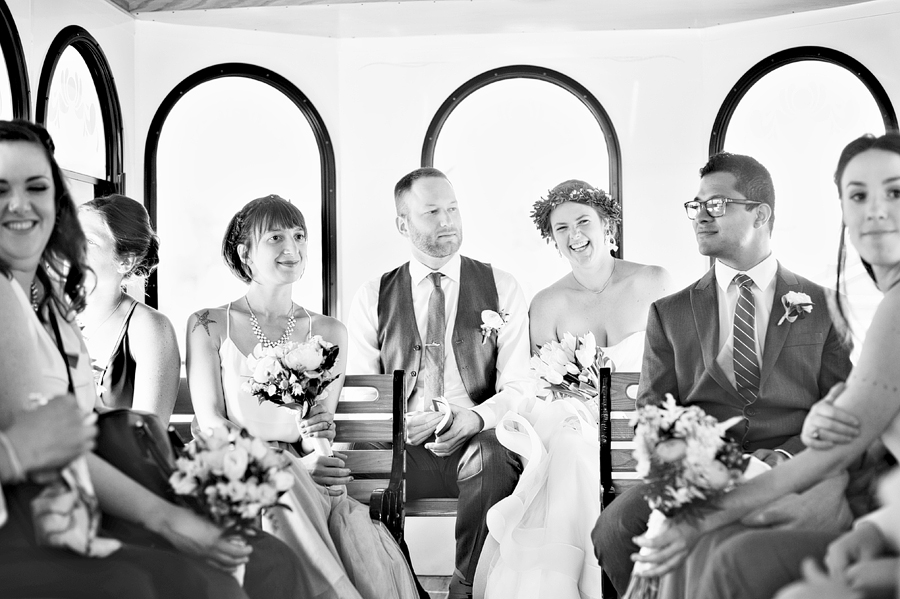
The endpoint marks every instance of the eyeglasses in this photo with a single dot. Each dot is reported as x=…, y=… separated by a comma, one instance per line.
x=715, y=207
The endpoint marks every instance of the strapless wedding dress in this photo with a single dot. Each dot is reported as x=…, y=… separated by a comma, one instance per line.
x=539, y=545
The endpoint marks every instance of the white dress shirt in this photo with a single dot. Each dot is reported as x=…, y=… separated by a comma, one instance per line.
x=514, y=382
x=763, y=288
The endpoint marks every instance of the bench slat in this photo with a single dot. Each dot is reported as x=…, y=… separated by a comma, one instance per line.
x=369, y=461
x=443, y=506
x=364, y=430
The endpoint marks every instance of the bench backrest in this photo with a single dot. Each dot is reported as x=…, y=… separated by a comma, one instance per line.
x=617, y=465
x=368, y=412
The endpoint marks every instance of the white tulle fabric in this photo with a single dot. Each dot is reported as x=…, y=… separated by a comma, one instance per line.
x=539, y=545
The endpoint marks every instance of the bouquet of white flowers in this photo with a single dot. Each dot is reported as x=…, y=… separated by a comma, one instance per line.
x=571, y=366
x=294, y=375
x=687, y=464
x=231, y=478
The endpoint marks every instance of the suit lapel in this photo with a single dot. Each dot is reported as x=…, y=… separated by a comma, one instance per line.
x=705, y=306
x=775, y=335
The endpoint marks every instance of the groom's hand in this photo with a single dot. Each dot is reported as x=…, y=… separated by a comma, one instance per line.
x=465, y=425
x=421, y=425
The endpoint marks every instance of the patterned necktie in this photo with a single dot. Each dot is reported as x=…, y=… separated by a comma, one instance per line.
x=433, y=369
x=746, y=362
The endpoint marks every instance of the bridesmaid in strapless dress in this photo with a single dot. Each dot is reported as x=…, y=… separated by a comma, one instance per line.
x=346, y=555
x=539, y=544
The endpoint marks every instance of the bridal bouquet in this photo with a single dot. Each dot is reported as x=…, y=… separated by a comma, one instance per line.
x=687, y=464
x=293, y=375
x=231, y=478
x=571, y=366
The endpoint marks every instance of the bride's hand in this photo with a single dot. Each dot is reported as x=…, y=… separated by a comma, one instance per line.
x=328, y=471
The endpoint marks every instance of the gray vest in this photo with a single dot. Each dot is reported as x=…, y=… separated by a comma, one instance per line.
x=398, y=334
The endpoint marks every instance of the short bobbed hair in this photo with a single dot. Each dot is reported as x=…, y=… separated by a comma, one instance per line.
x=250, y=223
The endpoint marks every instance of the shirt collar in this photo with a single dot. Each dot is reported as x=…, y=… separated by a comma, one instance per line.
x=418, y=271
x=763, y=274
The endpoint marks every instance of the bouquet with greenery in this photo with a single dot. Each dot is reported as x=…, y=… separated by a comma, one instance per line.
x=294, y=375
x=688, y=465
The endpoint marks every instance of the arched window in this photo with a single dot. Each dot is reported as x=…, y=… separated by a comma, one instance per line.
x=224, y=136
x=505, y=138
x=14, y=93
x=794, y=112
x=79, y=106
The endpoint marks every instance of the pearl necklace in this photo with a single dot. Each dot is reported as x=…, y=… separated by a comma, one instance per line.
x=285, y=337
x=605, y=285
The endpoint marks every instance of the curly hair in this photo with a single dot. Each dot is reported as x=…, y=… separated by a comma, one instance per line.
x=63, y=258
x=580, y=192
x=131, y=230
x=250, y=222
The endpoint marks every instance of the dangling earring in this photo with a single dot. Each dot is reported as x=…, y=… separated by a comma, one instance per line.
x=611, y=242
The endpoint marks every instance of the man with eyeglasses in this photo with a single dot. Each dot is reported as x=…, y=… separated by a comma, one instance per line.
x=721, y=344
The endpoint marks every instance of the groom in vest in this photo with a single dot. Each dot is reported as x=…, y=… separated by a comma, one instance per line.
x=721, y=344
x=425, y=317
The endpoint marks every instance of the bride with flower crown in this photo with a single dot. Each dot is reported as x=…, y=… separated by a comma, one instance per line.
x=539, y=544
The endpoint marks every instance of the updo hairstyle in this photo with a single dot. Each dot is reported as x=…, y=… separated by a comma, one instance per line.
x=250, y=223
x=131, y=230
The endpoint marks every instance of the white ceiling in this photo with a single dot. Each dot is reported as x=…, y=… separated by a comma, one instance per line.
x=382, y=18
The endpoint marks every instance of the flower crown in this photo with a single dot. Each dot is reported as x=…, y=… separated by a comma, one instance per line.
x=583, y=194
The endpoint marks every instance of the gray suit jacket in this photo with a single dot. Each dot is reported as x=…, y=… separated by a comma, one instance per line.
x=801, y=362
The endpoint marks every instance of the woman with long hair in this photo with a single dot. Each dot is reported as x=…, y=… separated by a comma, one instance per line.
x=345, y=553
x=41, y=289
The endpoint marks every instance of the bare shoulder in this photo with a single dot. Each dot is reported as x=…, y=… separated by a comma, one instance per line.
x=208, y=320
x=151, y=322
x=328, y=327
x=649, y=278
x=551, y=298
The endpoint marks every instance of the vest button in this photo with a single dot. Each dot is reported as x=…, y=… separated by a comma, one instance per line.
x=413, y=373
x=417, y=347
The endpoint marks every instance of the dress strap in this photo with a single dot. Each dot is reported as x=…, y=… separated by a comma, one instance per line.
x=100, y=373
x=228, y=321
x=309, y=318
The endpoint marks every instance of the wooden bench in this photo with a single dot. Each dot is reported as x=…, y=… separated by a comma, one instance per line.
x=372, y=409
x=183, y=414
x=617, y=465
x=379, y=475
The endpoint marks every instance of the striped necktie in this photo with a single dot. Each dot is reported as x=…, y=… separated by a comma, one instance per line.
x=433, y=369
x=746, y=361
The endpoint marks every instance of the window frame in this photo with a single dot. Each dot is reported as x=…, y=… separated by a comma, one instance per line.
x=790, y=56
x=326, y=155
x=110, y=108
x=550, y=76
x=16, y=68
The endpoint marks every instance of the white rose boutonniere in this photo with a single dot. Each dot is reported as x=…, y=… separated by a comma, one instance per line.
x=796, y=305
x=492, y=322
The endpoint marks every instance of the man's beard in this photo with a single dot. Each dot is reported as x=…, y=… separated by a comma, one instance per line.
x=431, y=246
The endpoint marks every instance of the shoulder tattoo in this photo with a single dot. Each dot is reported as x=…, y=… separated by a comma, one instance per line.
x=203, y=320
